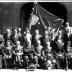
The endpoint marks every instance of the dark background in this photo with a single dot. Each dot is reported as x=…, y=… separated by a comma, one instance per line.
x=14, y=15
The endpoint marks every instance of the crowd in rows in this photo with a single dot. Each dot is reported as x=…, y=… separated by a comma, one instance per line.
x=24, y=50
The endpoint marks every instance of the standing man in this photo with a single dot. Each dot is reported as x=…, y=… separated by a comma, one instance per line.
x=36, y=37
x=14, y=37
x=20, y=36
x=7, y=36
x=28, y=36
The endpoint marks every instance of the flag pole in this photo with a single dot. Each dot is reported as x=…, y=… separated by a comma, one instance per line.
x=35, y=2
x=31, y=17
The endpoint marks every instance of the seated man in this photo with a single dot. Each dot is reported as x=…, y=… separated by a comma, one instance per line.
x=18, y=51
x=48, y=55
x=59, y=51
x=38, y=55
x=38, y=49
x=29, y=48
x=7, y=55
x=28, y=53
x=18, y=55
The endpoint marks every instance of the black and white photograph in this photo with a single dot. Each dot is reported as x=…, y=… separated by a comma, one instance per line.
x=36, y=36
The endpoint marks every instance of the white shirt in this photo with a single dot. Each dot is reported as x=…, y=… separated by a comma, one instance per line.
x=28, y=37
x=39, y=48
x=37, y=37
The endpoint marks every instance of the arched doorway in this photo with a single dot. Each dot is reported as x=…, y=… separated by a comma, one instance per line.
x=25, y=12
x=55, y=8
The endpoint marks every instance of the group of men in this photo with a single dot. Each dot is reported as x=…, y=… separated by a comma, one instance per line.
x=24, y=50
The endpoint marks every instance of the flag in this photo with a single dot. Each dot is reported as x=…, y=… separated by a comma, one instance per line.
x=41, y=19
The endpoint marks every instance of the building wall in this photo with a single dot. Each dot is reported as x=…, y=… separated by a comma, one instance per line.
x=68, y=5
x=10, y=14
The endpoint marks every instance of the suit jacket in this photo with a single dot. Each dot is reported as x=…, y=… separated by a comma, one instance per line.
x=6, y=37
x=14, y=39
x=34, y=41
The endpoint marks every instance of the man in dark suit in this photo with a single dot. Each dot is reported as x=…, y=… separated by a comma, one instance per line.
x=36, y=37
x=7, y=36
x=20, y=36
x=14, y=37
x=58, y=49
x=68, y=43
